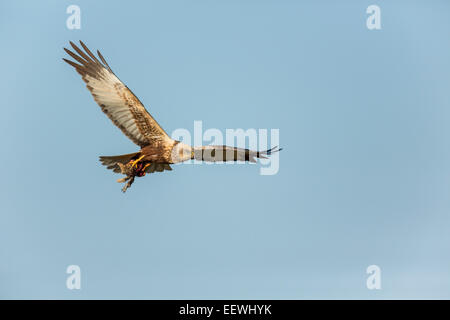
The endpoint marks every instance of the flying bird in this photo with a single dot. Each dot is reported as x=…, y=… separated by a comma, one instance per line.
x=157, y=150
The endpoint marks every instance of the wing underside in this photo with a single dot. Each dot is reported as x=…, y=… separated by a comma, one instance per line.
x=115, y=99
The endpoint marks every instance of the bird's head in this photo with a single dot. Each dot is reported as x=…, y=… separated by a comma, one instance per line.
x=181, y=152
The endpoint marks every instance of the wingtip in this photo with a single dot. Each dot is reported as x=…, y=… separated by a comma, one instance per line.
x=273, y=150
x=74, y=46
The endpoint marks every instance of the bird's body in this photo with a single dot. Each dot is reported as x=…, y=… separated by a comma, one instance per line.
x=157, y=150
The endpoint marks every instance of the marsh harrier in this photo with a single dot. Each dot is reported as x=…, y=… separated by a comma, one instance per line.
x=158, y=151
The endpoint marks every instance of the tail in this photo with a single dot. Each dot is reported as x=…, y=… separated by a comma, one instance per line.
x=111, y=161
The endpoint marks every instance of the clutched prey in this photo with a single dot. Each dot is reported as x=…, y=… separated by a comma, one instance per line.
x=134, y=168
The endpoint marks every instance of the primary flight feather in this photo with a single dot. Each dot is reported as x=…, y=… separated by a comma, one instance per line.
x=125, y=110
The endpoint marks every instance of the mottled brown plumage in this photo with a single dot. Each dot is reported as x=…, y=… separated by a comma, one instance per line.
x=125, y=110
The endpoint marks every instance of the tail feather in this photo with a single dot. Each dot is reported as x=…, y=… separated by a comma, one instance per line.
x=111, y=161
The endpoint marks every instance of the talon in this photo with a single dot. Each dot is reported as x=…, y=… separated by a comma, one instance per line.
x=135, y=162
x=142, y=170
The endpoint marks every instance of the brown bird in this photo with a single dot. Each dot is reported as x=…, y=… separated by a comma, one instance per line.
x=125, y=110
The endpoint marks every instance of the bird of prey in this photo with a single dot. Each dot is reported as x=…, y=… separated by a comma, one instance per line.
x=157, y=150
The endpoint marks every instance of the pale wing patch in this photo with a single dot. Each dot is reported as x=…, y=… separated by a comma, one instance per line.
x=108, y=93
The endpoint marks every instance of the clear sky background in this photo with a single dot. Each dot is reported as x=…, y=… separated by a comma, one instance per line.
x=364, y=175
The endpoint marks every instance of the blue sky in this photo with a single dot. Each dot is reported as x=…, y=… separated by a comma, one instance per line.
x=364, y=175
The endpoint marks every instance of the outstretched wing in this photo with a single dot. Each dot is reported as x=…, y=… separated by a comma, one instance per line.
x=225, y=153
x=116, y=100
